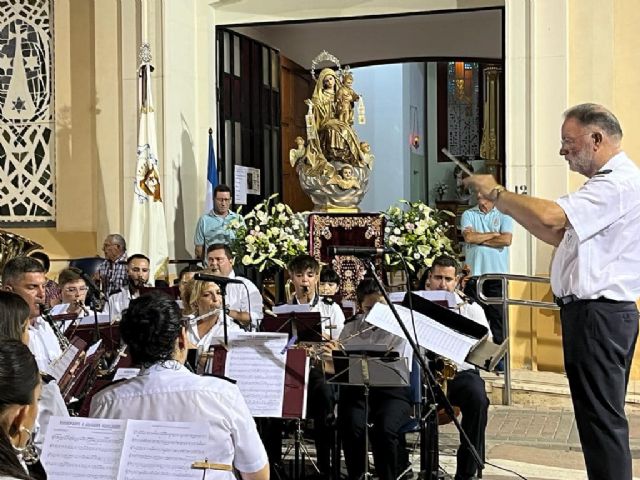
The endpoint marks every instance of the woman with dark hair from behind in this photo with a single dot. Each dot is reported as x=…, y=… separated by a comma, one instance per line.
x=153, y=330
x=14, y=325
x=19, y=392
x=14, y=317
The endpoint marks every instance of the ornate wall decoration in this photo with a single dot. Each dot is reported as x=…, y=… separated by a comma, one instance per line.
x=330, y=229
x=27, y=183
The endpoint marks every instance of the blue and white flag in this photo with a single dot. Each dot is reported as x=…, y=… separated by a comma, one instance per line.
x=212, y=173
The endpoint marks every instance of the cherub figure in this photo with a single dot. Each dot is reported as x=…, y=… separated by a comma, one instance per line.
x=296, y=154
x=344, y=179
x=345, y=100
x=366, y=156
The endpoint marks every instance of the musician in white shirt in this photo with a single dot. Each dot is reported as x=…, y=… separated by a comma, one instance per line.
x=25, y=276
x=138, y=276
x=165, y=390
x=206, y=325
x=243, y=301
x=304, y=271
x=73, y=290
x=466, y=389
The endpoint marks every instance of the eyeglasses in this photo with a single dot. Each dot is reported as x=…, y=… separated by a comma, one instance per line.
x=76, y=289
x=567, y=142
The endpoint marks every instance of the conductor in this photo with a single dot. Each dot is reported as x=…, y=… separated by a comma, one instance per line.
x=593, y=277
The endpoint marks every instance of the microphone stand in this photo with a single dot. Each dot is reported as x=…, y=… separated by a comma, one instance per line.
x=94, y=300
x=223, y=293
x=429, y=467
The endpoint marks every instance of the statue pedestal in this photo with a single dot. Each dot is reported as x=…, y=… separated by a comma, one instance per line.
x=345, y=229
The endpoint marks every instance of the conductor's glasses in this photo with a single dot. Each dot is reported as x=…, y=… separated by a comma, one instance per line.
x=569, y=142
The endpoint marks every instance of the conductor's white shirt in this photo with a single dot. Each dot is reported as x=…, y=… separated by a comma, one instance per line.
x=598, y=255
x=167, y=391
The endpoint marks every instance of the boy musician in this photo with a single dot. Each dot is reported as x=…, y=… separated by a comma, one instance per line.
x=304, y=272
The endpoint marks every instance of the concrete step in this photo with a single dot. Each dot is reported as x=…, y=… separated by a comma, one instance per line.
x=537, y=388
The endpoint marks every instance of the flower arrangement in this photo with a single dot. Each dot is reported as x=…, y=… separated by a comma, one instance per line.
x=418, y=233
x=441, y=189
x=269, y=235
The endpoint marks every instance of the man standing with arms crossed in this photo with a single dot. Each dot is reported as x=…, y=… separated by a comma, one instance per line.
x=487, y=236
x=593, y=276
x=213, y=226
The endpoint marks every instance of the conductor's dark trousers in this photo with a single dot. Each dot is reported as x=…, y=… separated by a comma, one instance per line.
x=599, y=337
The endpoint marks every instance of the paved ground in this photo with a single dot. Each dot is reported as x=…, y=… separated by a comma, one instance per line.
x=538, y=443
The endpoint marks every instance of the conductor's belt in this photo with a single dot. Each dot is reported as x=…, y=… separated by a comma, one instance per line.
x=568, y=299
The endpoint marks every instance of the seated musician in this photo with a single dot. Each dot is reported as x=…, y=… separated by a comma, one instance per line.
x=14, y=325
x=389, y=407
x=244, y=301
x=329, y=282
x=185, y=284
x=466, y=390
x=205, y=325
x=137, y=276
x=165, y=390
x=304, y=272
x=25, y=276
x=20, y=387
x=73, y=289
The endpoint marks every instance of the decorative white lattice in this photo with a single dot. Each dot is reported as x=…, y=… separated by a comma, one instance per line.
x=26, y=104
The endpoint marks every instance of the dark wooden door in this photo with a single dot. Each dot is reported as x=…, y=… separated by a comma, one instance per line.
x=297, y=85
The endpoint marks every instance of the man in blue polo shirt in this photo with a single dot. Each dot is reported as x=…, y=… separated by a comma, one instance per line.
x=487, y=234
x=213, y=227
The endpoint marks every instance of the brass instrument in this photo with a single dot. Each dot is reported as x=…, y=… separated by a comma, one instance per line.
x=13, y=245
x=444, y=370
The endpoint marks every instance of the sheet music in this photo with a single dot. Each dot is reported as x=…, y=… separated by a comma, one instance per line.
x=430, y=334
x=124, y=373
x=90, y=320
x=59, y=366
x=105, y=449
x=290, y=308
x=58, y=309
x=255, y=362
x=83, y=448
x=155, y=450
x=94, y=348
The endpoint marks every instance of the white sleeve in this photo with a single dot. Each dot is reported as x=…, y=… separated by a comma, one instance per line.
x=597, y=204
x=51, y=404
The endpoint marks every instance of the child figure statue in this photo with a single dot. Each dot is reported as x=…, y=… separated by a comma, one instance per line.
x=345, y=100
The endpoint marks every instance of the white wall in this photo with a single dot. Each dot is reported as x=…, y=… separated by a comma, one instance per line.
x=382, y=89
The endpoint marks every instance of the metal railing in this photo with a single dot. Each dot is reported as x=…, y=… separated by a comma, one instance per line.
x=506, y=302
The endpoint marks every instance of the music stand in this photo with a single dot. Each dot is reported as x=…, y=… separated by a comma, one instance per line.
x=369, y=366
x=305, y=326
x=429, y=423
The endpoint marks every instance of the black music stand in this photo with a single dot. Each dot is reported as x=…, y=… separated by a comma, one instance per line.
x=368, y=367
x=433, y=395
x=305, y=326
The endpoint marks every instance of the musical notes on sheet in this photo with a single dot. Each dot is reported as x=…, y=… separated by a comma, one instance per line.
x=104, y=449
x=59, y=367
x=83, y=448
x=430, y=334
x=156, y=450
x=255, y=361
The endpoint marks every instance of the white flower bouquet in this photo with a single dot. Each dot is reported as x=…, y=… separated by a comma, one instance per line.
x=269, y=235
x=418, y=232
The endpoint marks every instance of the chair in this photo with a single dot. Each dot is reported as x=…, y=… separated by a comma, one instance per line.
x=88, y=265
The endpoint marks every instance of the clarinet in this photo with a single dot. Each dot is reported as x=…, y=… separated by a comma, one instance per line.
x=62, y=340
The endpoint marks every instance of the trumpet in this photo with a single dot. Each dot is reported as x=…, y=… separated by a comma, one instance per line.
x=444, y=370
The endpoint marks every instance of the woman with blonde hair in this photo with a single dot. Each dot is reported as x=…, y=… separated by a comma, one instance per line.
x=205, y=304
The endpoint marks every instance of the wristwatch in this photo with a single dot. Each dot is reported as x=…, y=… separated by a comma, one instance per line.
x=498, y=189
